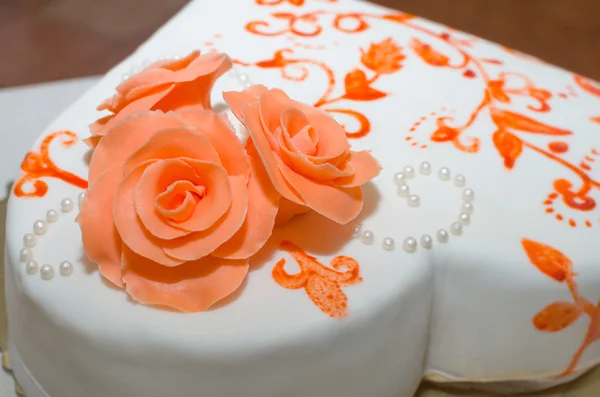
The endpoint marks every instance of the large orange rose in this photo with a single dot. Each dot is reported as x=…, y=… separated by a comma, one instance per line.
x=305, y=153
x=175, y=208
x=165, y=85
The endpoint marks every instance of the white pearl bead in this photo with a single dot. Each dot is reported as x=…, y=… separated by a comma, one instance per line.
x=444, y=173
x=464, y=218
x=399, y=178
x=356, y=232
x=248, y=85
x=426, y=241
x=66, y=205
x=47, y=272
x=31, y=267
x=243, y=77
x=403, y=190
x=425, y=168
x=468, y=194
x=51, y=216
x=65, y=268
x=409, y=244
x=81, y=197
x=408, y=171
x=26, y=254
x=459, y=180
x=456, y=228
x=388, y=243
x=367, y=237
x=467, y=208
x=125, y=76
x=29, y=240
x=442, y=235
x=40, y=227
x=413, y=200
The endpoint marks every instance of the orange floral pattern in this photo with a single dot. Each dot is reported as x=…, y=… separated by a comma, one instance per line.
x=512, y=127
x=562, y=314
x=322, y=284
x=385, y=57
x=39, y=165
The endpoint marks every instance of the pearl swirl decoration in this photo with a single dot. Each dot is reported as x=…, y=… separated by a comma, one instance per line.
x=66, y=205
x=51, y=216
x=32, y=267
x=413, y=200
x=409, y=244
x=442, y=235
x=40, y=227
x=388, y=244
x=409, y=171
x=444, y=174
x=29, y=240
x=425, y=168
x=368, y=237
x=403, y=190
x=47, y=272
x=65, y=268
x=399, y=178
x=468, y=195
x=426, y=241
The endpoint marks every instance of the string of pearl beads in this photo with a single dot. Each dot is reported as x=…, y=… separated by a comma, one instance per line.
x=410, y=243
x=30, y=240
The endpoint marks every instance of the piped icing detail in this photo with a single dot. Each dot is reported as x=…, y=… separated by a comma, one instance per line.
x=322, y=284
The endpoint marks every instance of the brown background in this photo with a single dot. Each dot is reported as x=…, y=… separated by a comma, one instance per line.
x=43, y=40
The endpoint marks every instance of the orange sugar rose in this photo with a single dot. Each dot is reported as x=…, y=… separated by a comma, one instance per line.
x=305, y=153
x=175, y=208
x=165, y=85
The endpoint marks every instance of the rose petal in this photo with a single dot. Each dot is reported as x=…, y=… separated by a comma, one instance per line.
x=222, y=138
x=160, y=175
x=101, y=239
x=171, y=143
x=288, y=210
x=332, y=136
x=127, y=137
x=338, y=204
x=199, y=244
x=257, y=133
x=129, y=225
x=175, y=64
x=237, y=100
x=191, y=287
x=271, y=105
x=365, y=166
x=263, y=202
x=179, y=200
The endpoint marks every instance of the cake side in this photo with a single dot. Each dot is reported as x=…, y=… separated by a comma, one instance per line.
x=474, y=294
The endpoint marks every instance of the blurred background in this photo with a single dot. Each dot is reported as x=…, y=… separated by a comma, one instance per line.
x=44, y=40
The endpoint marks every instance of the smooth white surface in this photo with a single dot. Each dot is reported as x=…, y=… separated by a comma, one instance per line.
x=472, y=299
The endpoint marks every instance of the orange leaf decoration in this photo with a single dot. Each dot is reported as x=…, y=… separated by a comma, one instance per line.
x=496, y=88
x=548, y=260
x=398, y=17
x=278, y=60
x=428, y=54
x=358, y=89
x=383, y=57
x=556, y=316
x=509, y=146
x=595, y=119
x=444, y=134
x=328, y=296
x=588, y=85
x=506, y=119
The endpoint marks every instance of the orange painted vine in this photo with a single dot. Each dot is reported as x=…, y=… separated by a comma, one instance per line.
x=500, y=89
x=38, y=165
x=323, y=285
x=381, y=58
x=562, y=314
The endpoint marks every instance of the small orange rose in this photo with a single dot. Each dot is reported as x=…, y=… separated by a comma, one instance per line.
x=305, y=153
x=165, y=85
x=175, y=208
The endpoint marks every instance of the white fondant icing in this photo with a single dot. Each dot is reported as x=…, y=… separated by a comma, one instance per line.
x=463, y=310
